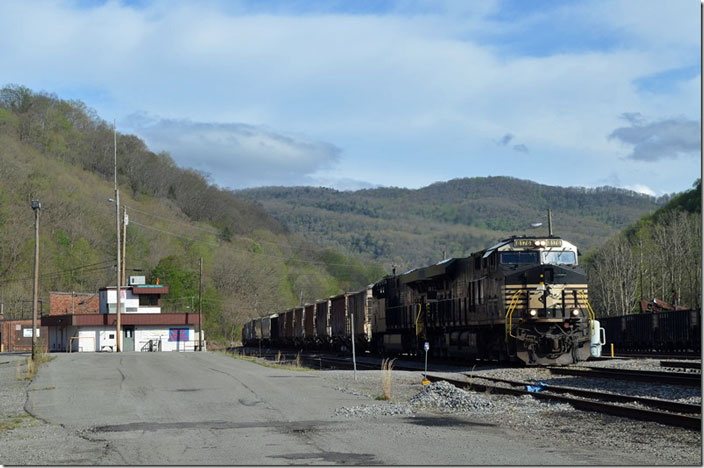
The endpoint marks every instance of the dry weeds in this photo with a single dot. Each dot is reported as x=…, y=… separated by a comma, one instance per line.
x=386, y=367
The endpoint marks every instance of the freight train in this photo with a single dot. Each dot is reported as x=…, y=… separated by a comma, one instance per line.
x=672, y=332
x=523, y=299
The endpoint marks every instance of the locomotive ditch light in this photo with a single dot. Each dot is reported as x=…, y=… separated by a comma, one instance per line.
x=533, y=312
x=575, y=312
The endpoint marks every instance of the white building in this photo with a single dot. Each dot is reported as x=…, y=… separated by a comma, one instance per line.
x=143, y=326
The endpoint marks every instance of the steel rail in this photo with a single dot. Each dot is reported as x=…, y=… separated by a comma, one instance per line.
x=667, y=405
x=642, y=414
x=673, y=378
x=682, y=365
x=655, y=355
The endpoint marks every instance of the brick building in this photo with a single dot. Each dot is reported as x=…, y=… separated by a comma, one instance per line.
x=16, y=335
x=64, y=303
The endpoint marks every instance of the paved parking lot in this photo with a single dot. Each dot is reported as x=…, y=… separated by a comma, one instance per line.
x=208, y=408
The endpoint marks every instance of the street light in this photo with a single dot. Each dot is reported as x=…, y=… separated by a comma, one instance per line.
x=537, y=225
x=36, y=207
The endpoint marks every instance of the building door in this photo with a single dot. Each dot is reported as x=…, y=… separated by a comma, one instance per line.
x=128, y=345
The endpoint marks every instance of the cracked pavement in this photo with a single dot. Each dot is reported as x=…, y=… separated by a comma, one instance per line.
x=210, y=409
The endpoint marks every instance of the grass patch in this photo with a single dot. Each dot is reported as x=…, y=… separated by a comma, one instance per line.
x=31, y=366
x=278, y=364
x=11, y=422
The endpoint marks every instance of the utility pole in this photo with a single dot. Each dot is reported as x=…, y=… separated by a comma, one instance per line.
x=36, y=206
x=118, y=324
x=125, y=221
x=200, y=307
x=640, y=267
x=354, y=355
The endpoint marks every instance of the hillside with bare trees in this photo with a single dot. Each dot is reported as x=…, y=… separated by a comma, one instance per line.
x=657, y=257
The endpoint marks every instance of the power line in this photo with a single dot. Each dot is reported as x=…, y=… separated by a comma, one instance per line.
x=59, y=273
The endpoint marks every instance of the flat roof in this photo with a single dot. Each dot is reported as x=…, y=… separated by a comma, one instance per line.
x=125, y=319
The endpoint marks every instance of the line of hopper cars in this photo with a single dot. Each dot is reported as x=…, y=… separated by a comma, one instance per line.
x=523, y=299
x=677, y=332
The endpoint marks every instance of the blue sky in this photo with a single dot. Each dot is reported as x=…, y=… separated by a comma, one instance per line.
x=352, y=94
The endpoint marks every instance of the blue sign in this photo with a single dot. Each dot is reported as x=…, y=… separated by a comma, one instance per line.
x=178, y=334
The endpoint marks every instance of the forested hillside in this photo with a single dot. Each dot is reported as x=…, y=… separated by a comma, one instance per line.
x=660, y=256
x=411, y=228
x=61, y=153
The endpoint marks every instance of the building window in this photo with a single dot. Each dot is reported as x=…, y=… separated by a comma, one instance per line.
x=149, y=300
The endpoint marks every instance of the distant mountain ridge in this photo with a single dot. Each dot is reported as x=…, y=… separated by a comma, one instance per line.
x=411, y=227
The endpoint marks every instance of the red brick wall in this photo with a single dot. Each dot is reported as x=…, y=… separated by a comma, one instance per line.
x=12, y=339
x=66, y=303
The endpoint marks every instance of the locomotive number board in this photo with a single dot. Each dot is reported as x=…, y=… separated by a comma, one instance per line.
x=531, y=242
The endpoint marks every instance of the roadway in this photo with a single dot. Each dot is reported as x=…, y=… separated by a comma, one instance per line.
x=208, y=408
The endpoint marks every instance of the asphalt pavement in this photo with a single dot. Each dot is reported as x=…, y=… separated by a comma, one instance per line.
x=211, y=409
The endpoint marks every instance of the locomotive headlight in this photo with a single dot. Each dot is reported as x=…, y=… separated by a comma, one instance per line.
x=575, y=312
x=533, y=312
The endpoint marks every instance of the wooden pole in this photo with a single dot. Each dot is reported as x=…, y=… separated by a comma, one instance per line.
x=118, y=289
x=124, y=243
x=36, y=206
x=200, y=307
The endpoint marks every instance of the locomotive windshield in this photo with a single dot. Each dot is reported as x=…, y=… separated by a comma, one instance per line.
x=519, y=258
x=559, y=258
x=527, y=257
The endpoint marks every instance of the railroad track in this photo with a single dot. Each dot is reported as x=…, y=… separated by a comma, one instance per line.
x=652, y=409
x=593, y=402
x=667, y=405
x=689, y=365
x=671, y=378
x=645, y=355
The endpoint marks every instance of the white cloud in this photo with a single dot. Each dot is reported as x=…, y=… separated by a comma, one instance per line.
x=235, y=154
x=640, y=188
x=418, y=82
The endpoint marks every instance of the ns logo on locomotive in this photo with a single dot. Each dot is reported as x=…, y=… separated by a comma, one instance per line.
x=524, y=299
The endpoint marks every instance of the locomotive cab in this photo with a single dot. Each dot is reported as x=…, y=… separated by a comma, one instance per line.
x=547, y=311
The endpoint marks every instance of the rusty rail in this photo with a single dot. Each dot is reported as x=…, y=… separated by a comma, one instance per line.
x=643, y=414
x=672, y=378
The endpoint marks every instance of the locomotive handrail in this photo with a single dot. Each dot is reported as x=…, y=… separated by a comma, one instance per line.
x=590, y=311
x=418, y=318
x=509, y=315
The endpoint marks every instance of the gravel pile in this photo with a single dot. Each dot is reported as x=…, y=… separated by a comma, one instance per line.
x=381, y=409
x=448, y=398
